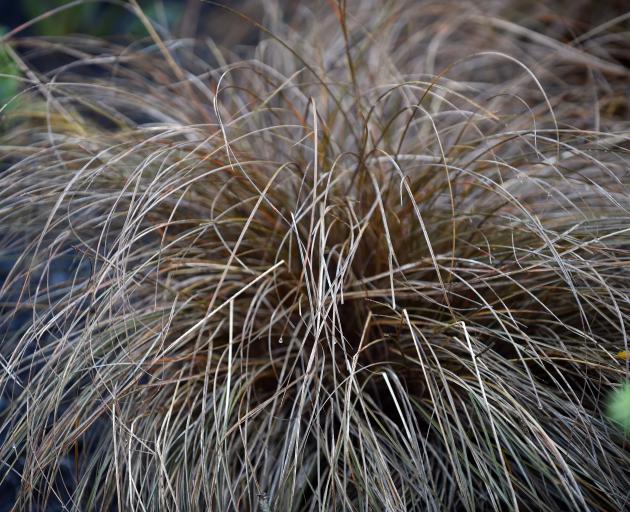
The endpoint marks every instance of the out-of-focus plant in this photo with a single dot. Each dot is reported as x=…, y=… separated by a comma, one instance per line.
x=98, y=18
x=619, y=402
x=71, y=20
x=619, y=408
x=8, y=73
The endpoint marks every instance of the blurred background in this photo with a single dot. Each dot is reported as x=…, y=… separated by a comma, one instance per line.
x=111, y=18
x=190, y=18
x=94, y=18
x=116, y=19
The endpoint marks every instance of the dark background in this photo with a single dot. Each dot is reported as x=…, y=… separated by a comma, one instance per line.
x=179, y=18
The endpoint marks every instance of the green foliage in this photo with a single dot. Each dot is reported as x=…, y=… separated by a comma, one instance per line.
x=8, y=70
x=98, y=19
x=619, y=407
x=81, y=18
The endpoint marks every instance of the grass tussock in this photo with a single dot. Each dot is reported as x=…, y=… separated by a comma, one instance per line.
x=379, y=261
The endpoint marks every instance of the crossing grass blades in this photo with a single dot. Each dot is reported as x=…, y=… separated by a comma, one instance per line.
x=378, y=261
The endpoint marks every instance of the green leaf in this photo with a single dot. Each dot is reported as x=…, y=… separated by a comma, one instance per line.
x=619, y=408
x=8, y=70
